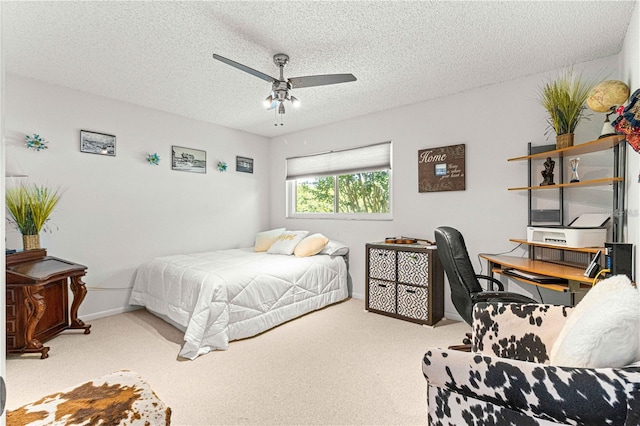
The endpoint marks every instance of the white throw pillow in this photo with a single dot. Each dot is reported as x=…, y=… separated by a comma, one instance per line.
x=266, y=238
x=603, y=330
x=335, y=248
x=287, y=242
x=311, y=245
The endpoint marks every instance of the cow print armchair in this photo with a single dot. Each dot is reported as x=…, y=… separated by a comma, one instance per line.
x=506, y=378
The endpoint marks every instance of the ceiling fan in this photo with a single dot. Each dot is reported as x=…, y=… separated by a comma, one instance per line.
x=281, y=88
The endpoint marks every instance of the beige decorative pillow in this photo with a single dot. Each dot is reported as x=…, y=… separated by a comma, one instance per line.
x=265, y=239
x=287, y=242
x=311, y=245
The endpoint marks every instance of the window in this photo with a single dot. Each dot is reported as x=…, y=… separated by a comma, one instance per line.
x=352, y=183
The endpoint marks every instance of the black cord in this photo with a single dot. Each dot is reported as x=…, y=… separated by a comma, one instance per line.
x=495, y=254
x=539, y=294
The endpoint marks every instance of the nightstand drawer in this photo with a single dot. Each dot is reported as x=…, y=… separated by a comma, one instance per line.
x=382, y=264
x=11, y=326
x=413, y=302
x=11, y=295
x=382, y=296
x=413, y=268
x=11, y=312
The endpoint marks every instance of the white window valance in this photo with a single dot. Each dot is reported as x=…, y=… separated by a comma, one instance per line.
x=346, y=161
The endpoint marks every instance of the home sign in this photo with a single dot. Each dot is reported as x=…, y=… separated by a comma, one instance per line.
x=441, y=169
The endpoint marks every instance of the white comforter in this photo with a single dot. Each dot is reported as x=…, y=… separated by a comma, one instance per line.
x=216, y=297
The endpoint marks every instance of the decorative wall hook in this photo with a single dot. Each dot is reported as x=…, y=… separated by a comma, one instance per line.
x=153, y=159
x=36, y=142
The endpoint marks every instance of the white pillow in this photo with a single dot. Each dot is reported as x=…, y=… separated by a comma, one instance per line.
x=335, y=248
x=603, y=330
x=287, y=242
x=311, y=245
x=266, y=238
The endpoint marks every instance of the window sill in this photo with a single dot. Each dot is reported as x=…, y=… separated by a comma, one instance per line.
x=344, y=216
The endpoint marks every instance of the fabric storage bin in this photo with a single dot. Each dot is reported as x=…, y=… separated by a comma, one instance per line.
x=413, y=302
x=382, y=296
x=382, y=264
x=413, y=267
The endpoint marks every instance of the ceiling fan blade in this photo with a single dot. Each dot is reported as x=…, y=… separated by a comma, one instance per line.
x=245, y=68
x=320, y=80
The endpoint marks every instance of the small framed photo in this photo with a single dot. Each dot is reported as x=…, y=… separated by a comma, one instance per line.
x=440, y=169
x=97, y=143
x=188, y=159
x=244, y=164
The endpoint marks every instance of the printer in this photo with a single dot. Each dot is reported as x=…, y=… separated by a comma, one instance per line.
x=587, y=230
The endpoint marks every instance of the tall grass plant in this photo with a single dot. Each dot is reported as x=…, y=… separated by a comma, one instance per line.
x=30, y=206
x=564, y=99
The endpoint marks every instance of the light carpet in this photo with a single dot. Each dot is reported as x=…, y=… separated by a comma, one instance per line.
x=340, y=365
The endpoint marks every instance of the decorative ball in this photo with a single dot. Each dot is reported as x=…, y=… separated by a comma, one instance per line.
x=607, y=94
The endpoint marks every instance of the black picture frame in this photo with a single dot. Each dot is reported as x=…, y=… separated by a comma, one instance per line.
x=244, y=164
x=188, y=159
x=97, y=143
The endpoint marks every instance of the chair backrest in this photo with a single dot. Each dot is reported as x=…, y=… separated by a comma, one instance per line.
x=460, y=273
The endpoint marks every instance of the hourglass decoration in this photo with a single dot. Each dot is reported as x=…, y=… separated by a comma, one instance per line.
x=574, y=169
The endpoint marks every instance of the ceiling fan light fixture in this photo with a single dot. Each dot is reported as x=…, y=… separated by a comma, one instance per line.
x=281, y=87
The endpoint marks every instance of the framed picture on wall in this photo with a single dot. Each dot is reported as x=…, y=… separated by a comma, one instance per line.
x=97, y=143
x=441, y=168
x=188, y=159
x=244, y=164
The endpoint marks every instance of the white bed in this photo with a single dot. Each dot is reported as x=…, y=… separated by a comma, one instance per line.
x=225, y=295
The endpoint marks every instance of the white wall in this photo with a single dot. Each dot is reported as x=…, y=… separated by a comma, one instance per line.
x=630, y=73
x=117, y=212
x=495, y=123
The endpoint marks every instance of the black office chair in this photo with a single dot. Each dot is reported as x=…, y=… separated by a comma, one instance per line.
x=465, y=287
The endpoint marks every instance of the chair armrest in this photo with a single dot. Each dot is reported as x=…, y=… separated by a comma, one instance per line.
x=560, y=394
x=524, y=332
x=492, y=281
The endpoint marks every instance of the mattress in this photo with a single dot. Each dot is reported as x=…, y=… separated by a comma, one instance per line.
x=216, y=297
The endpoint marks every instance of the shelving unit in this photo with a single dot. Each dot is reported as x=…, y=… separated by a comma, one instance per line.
x=566, y=264
x=613, y=143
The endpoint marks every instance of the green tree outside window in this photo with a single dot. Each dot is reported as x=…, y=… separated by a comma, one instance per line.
x=363, y=192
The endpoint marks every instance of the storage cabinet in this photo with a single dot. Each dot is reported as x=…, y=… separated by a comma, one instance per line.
x=405, y=281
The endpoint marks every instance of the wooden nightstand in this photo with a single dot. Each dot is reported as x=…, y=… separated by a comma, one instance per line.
x=38, y=301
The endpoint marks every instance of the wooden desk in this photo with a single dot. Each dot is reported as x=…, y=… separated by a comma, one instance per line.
x=577, y=283
x=38, y=301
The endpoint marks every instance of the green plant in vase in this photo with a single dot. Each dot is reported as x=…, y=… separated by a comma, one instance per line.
x=29, y=209
x=564, y=99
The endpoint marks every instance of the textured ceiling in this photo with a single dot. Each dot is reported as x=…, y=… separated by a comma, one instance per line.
x=159, y=54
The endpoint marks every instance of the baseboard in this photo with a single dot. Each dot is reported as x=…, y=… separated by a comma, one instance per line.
x=453, y=315
x=102, y=314
x=357, y=296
